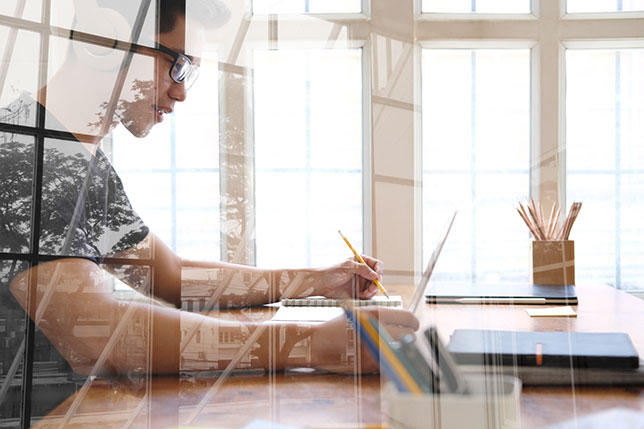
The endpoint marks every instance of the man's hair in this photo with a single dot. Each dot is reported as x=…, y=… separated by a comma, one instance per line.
x=211, y=13
x=120, y=16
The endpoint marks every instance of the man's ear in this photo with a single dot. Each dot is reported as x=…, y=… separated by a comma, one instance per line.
x=92, y=19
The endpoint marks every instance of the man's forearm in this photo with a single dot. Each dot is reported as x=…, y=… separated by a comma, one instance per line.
x=213, y=284
x=224, y=284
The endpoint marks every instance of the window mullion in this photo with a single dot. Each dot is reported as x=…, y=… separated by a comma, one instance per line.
x=595, y=29
x=236, y=155
x=548, y=149
x=395, y=189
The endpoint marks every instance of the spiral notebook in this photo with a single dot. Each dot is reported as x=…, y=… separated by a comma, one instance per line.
x=319, y=309
x=314, y=301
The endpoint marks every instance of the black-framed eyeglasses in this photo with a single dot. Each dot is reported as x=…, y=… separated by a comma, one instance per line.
x=182, y=69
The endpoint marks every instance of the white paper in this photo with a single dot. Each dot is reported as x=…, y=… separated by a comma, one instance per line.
x=565, y=311
x=307, y=314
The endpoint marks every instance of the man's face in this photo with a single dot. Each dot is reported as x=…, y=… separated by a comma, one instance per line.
x=153, y=98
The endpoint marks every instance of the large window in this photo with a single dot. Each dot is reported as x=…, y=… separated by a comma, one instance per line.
x=308, y=154
x=565, y=129
x=476, y=156
x=605, y=104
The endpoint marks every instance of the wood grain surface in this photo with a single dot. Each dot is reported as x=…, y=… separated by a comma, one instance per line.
x=323, y=400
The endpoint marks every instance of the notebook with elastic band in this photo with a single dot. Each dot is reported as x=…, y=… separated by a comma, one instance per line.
x=548, y=349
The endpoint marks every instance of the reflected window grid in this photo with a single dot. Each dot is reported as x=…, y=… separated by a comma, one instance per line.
x=18, y=361
x=42, y=368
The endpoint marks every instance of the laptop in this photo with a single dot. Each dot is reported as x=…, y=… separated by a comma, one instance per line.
x=501, y=294
x=420, y=289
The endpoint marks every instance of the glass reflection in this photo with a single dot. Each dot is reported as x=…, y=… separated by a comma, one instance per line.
x=12, y=331
x=114, y=306
x=18, y=76
x=23, y=9
x=16, y=176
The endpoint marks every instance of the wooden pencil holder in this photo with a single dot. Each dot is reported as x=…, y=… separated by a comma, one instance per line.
x=553, y=262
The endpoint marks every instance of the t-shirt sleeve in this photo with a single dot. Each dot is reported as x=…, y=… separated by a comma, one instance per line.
x=124, y=228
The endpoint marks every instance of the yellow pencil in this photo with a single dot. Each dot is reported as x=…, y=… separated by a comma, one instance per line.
x=359, y=258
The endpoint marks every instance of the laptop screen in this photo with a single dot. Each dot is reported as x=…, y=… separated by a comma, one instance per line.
x=420, y=289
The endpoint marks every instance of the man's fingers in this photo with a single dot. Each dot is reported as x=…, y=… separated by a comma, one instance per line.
x=369, y=291
x=363, y=270
x=375, y=264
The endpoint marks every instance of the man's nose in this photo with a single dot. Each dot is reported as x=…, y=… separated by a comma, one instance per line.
x=178, y=91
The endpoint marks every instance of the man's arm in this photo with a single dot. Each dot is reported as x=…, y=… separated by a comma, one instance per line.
x=346, y=279
x=75, y=294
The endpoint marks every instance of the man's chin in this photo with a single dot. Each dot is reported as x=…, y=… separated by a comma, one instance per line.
x=136, y=129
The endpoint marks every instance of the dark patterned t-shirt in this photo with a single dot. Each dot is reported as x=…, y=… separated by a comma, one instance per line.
x=84, y=212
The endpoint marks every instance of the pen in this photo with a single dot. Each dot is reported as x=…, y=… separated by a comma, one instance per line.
x=446, y=364
x=359, y=258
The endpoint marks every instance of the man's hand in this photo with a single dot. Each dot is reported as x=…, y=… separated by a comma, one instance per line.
x=351, y=279
x=330, y=339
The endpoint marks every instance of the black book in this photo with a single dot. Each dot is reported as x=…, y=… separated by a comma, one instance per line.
x=548, y=349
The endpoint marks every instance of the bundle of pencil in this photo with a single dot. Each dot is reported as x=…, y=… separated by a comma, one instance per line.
x=541, y=229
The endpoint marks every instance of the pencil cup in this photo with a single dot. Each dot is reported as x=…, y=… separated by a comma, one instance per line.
x=491, y=402
x=553, y=262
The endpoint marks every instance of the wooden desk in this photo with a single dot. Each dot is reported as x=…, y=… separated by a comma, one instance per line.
x=332, y=401
x=601, y=309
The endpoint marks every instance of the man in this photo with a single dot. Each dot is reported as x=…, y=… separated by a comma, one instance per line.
x=86, y=217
